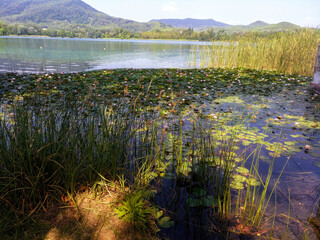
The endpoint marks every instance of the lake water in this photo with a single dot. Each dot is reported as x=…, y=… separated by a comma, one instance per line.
x=31, y=54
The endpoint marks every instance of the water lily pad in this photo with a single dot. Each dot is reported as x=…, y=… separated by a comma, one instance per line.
x=274, y=154
x=316, y=163
x=199, y=192
x=246, y=143
x=193, y=202
x=253, y=182
x=237, y=185
x=210, y=201
x=292, y=143
x=242, y=170
x=296, y=135
x=239, y=178
x=237, y=159
x=314, y=154
x=166, y=222
x=265, y=158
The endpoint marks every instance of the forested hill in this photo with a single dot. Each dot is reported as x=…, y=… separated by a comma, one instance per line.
x=65, y=14
x=191, y=23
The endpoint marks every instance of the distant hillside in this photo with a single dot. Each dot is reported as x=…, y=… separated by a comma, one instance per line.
x=205, y=24
x=259, y=26
x=190, y=23
x=64, y=13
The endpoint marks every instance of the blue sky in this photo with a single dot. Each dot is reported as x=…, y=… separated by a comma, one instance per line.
x=300, y=12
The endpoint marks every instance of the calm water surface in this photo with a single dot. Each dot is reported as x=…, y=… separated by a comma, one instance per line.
x=29, y=54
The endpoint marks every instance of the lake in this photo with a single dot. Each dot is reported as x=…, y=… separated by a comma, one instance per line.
x=38, y=54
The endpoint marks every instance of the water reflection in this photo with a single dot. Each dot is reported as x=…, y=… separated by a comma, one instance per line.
x=71, y=55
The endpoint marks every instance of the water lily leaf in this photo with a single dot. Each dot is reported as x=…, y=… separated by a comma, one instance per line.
x=199, y=192
x=292, y=143
x=193, y=202
x=166, y=222
x=210, y=201
x=237, y=185
x=316, y=163
x=265, y=158
x=314, y=154
x=242, y=170
x=296, y=136
x=274, y=154
x=253, y=182
x=239, y=178
x=246, y=143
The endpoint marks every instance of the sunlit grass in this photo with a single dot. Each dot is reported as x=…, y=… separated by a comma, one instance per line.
x=290, y=52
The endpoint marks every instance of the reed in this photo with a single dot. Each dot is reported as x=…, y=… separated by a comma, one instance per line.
x=285, y=52
x=47, y=153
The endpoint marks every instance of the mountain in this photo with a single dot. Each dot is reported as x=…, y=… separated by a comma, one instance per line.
x=190, y=23
x=259, y=26
x=72, y=14
x=205, y=24
x=64, y=14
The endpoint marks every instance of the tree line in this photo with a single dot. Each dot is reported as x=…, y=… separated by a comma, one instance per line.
x=80, y=31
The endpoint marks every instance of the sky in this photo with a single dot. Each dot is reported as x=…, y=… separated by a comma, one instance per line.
x=305, y=13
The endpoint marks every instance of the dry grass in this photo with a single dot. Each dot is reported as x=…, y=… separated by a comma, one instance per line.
x=92, y=217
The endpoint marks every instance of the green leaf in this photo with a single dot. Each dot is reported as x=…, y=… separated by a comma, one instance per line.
x=210, y=201
x=316, y=163
x=165, y=222
x=246, y=143
x=242, y=170
x=239, y=178
x=253, y=182
x=193, y=202
x=237, y=185
x=168, y=224
x=199, y=192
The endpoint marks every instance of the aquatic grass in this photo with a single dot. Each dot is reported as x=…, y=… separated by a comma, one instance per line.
x=98, y=127
x=47, y=153
x=290, y=52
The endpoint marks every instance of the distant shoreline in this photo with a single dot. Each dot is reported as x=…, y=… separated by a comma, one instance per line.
x=145, y=39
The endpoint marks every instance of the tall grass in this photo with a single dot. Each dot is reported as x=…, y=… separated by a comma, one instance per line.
x=46, y=153
x=285, y=52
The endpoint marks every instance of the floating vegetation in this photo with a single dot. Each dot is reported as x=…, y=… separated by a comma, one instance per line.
x=209, y=141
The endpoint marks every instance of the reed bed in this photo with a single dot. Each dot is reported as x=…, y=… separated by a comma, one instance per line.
x=285, y=52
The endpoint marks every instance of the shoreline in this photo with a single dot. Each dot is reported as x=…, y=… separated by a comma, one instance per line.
x=143, y=39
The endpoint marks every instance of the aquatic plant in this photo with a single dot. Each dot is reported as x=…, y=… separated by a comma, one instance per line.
x=286, y=52
x=196, y=138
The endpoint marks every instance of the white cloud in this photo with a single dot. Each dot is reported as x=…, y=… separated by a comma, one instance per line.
x=170, y=7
